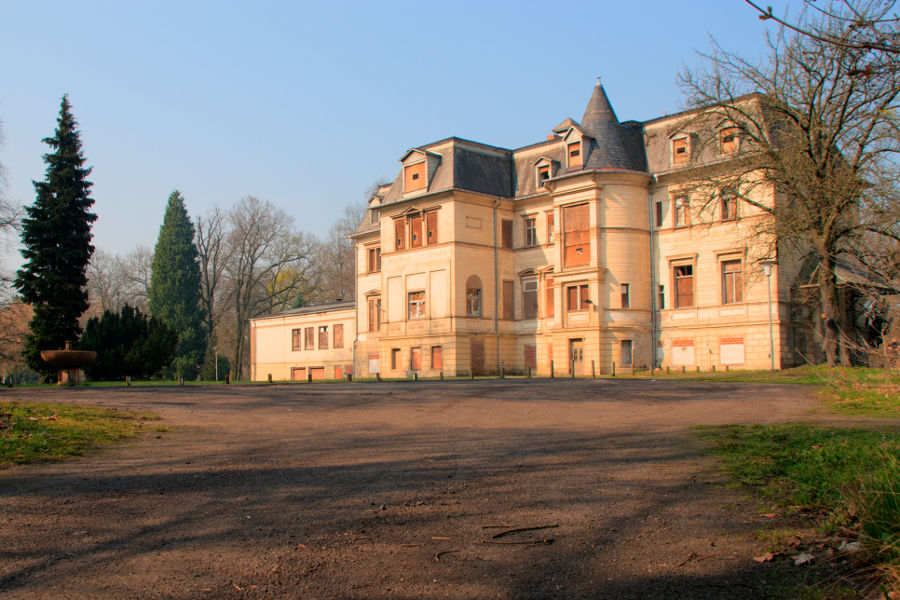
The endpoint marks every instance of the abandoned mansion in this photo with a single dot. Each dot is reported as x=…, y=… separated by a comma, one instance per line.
x=581, y=253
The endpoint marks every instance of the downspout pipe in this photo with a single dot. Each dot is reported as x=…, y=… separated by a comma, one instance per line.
x=496, y=287
x=653, y=307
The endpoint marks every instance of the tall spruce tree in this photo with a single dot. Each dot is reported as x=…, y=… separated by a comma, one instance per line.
x=175, y=287
x=56, y=240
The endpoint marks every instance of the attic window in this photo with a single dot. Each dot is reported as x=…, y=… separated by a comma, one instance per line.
x=681, y=150
x=543, y=174
x=729, y=140
x=573, y=153
x=414, y=177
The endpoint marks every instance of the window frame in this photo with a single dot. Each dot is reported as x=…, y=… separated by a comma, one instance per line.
x=373, y=259
x=530, y=231
x=625, y=291
x=729, y=198
x=416, y=300
x=476, y=295
x=681, y=210
x=675, y=284
x=733, y=145
x=542, y=175
x=309, y=338
x=551, y=225
x=577, y=155
x=530, y=289
x=415, y=176
x=506, y=233
x=680, y=148
x=296, y=339
x=374, y=304
x=735, y=278
x=323, y=336
x=581, y=297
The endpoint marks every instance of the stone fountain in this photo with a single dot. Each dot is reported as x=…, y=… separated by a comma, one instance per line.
x=69, y=362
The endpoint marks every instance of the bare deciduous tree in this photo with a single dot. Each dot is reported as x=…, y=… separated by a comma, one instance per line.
x=268, y=264
x=335, y=260
x=212, y=251
x=822, y=132
x=115, y=280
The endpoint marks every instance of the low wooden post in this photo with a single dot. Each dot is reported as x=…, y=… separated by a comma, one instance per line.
x=502, y=369
x=270, y=378
x=442, y=375
x=377, y=376
x=714, y=368
x=667, y=369
x=632, y=366
x=349, y=377
x=128, y=380
x=683, y=371
x=593, y=370
x=551, y=370
x=309, y=376
x=415, y=376
x=698, y=368
x=614, y=369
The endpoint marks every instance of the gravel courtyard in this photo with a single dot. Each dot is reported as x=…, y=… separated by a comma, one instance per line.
x=395, y=490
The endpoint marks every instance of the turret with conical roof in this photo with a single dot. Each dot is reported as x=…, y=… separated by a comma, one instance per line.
x=614, y=146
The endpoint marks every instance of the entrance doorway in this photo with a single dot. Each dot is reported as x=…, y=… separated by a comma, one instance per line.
x=576, y=355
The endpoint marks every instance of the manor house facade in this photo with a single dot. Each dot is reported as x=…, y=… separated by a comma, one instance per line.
x=584, y=252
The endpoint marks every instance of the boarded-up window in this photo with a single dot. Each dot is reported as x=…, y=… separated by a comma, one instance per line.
x=574, y=154
x=415, y=358
x=339, y=336
x=577, y=297
x=415, y=231
x=530, y=232
x=576, y=224
x=374, y=314
x=508, y=300
x=374, y=363
x=295, y=339
x=317, y=373
x=506, y=230
x=626, y=296
x=437, y=357
x=732, y=282
x=417, y=305
x=548, y=302
x=530, y=298
x=323, y=336
x=473, y=296
x=731, y=351
x=659, y=214
x=395, y=358
x=530, y=357
x=431, y=219
x=414, y=177
x=339, y=372
x=551, y=223
x=729, y=206
x=298, y=374
x=729, y=140
x=681, y=152
x=684, y=285
x=309, y=338
x=374, y=260
x=400, y=234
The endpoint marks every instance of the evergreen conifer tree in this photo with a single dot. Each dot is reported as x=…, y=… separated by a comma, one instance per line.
x=175, y=287
x=56, y=240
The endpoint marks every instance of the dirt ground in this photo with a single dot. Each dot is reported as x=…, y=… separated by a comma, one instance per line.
x=396, y=490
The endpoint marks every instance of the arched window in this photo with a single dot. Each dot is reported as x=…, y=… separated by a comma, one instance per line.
x=473, y=296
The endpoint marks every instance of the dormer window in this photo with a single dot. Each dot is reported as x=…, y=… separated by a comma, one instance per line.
x=573, y=154
x=729, y=140
x=543, y=174
x=414, y=177
x=681, y=150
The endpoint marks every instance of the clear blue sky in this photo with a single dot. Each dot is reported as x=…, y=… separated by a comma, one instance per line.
x=306, y=104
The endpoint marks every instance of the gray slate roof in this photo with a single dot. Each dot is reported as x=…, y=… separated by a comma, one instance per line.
x=614, y=146
x=315, y=308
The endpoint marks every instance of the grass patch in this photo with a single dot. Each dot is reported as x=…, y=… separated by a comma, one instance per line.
x=44, y=432
x=846, y=478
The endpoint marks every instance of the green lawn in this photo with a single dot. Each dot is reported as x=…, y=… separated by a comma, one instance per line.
x=43, y=432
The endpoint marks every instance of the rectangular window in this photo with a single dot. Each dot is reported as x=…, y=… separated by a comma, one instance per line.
x=508, y=300
x=417, y=305
x=627, y=352
x=682, y=211
x=323, y=337
x=680, y=151
x=431, y=227
x=729, y=206
x=684, y=285
x=374, y=263
x=729, y=140
x=530, y=298
x=295, y=339
x=395, y=358
x=414, y=177
x=576, y=226
x=659, y=214
x=415, y=358
x=549, y=303
x=506, y=228
x=551, y=234
x=574, y=154
x=309, y=338
x=374, y=314
x=437, y=357
x=626, y=299
x=400, y=234
x=732, y=282
x=415, y=231
x=577, y=297
x=338, y=336
x=530, y=232
x=543, y=174
x=661, y=296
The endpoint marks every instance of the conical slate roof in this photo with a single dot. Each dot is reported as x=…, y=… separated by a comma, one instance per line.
x=613, y=146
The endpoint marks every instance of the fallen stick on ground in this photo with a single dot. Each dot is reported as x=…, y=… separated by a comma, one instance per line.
x=521, y=529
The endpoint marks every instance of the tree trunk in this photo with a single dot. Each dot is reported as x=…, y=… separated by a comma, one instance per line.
x=830, y=309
